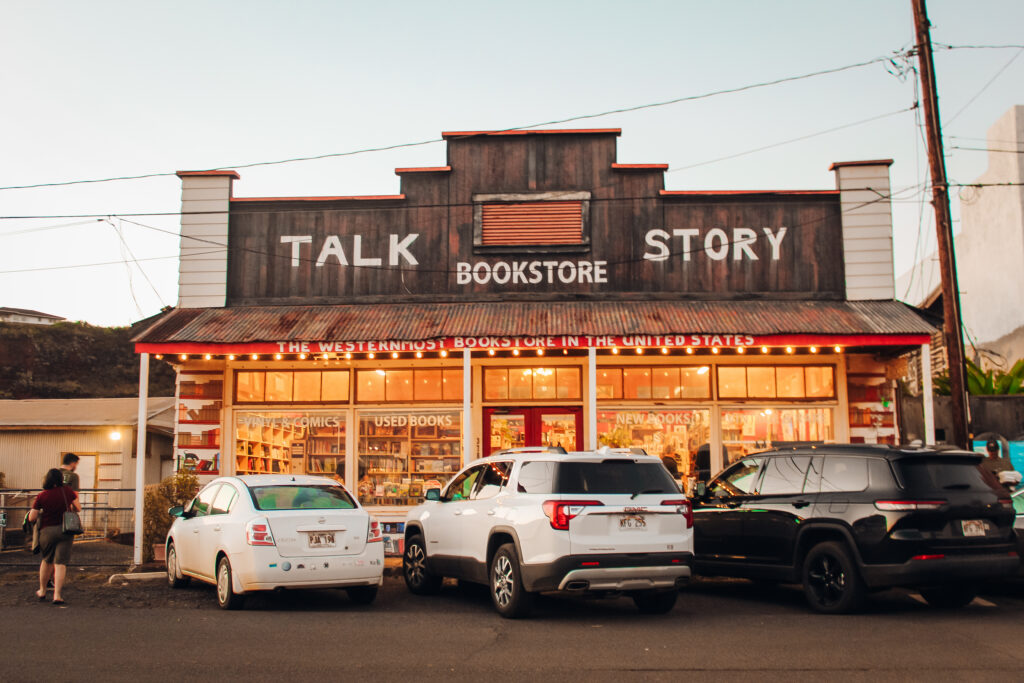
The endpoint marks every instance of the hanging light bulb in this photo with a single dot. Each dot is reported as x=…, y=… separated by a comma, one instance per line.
x=814, y=349
x=183, y=356
x=255, y=356
x=419, y=354
x=302, y=356
x=540, y=352
x=689, y=350
x=490, y=352
x=714, y=350
x=764, y=349
x=838, y=349
x=515, y=352
x=371, y=355
x=789, y=349
x=444, y=354
x=741, y=350
x=639, y=351
x=278, y=356
x=231, y=356
x=394, y=354
x=664, y=350
x=615, y=350
x=208, y=357
x=348, y=356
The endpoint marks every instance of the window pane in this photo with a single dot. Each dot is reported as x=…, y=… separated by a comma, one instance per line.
x=784, y=475
x=544, y=383
x=844, y=474
x=279, y=386
x=225, y=499
x=428, y=385
x=665, y=383
x=307, y=387
x=609, y=383
x=370, y=385
x=695, y=382
x=496, y=384
x=452, y=381
x=790, y=381
x=520, y=383
x=732, y=382
x=761, y=382
x=568, y=382
x=398, y=385
x=494, y=478
x=674, y=435
x=820, y=382
x=636, y=382
x=250, y=386
x=306, y=497
x=335, y=385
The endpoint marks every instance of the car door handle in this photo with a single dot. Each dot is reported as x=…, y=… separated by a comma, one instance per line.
x=491, y=511
x=801, y=503
x=195, y=531
x=217, y=528
x=733, y=503
x=457, y=512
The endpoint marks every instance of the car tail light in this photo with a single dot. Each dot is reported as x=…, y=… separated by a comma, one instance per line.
x=683, y=507
x=903, y=505
x=928, y=557
x=374, y=533
x=257, y=532
x=561, y=511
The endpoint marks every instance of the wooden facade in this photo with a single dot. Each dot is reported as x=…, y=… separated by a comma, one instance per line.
x=423, y=245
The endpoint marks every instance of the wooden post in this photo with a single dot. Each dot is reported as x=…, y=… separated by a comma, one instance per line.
x=140, y=455
x=952, y=333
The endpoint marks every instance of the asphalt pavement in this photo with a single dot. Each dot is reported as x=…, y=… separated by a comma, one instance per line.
x=719, y=630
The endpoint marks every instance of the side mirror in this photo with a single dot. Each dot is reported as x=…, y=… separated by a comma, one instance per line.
x=433, y=494
x=176, y=511
x=701, y=490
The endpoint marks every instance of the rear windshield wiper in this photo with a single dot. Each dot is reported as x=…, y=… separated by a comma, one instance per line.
x=640, y=493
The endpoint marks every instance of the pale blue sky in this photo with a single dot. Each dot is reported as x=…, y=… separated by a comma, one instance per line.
x=119, y=88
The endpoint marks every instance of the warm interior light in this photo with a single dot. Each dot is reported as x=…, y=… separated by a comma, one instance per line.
x=207, y=356
x=764, y=349
x=278, y=356
x=789, y=349
x=639, y=351
x=767, y=411
x=664, y=350
x=703, y=370
x=419, y=354
x=741, y=350
x=183, y=356
x=714, y=350
x=115, y=435
x=515, y=352
x=381, y=372
x=838, y=349
x=371, y=356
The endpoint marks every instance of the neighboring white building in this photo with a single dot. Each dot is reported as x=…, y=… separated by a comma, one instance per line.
x=989, y=248
x=24, y=315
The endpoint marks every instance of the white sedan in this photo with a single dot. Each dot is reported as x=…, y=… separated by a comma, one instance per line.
x=270, y=531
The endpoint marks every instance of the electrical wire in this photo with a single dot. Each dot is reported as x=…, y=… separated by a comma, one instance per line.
x=570, y=119
x=989, y=149
x=102, y=263
x=124, y=244
x=983, y=88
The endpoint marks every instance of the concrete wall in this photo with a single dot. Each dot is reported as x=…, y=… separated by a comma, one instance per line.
x=990, y=248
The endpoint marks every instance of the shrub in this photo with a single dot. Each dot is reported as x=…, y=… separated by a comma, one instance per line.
x=174, y=490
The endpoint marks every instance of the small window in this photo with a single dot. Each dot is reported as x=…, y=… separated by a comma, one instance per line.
x=609, y=383
x=492, y=480
x=531, y=384
x=739, y=480
x=732, y=382
x=840, y=473
x=202, y=503
x=536, y=477
x=224, y=500
x=784, y=475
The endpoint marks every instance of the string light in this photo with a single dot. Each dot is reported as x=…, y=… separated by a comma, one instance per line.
x=231, y=356
x=444, y=353
x=302, y=356
x=764, y=349
x=540, y=352
x=394, y=354
x=689, y=350
x=741, y=350
x=208, y=357
x=255, y=356
x=277, y=356
x=419, y=354
x=348, y=356
x=183, y=356
x=639, y=351
x=565, y=352
x=325, y=356
x=159, y=356
x=615, y=350
x=814, y=349
x=371, y=356
x=789, y=349
x=664, y=350
x=714, y=350
x=490, y=352
x=838, y=349
x=515, y=352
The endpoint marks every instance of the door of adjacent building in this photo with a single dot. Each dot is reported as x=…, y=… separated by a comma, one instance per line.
x=534, y=426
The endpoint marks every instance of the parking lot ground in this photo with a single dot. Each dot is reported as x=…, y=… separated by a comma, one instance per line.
x=726, y=629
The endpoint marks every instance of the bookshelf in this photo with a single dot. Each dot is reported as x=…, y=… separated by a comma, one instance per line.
x=197, y=429
x=399, y=462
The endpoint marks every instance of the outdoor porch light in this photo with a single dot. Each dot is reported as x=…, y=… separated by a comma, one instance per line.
x=183, y=356
x=115, y=435
x=444, y=354
x=394, y=354
x=789, y=349
x=515, y=352
x=419, y=354
x=714, y=350
x=255, y=356
x=490, y=352
x=639, y=351
x=689, y=350
x=814, y=349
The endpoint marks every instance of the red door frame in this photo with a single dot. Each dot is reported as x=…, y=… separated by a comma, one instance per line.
x=532, y=422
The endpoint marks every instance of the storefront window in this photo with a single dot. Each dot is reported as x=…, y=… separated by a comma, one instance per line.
x=290, y=443
x=674, y=435
x=408, y=386
x=401, y=454
x=531, y=384
x=662, y=383
x=288, y=386
x=778, y=381
x=750, y=430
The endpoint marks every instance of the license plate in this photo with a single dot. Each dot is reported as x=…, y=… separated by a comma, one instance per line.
x=973, y=527
x=632, y=523
x=321, y=540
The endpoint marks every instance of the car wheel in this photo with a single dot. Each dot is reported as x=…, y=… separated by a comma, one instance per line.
x=227, y=598
x=831, y=582
x=949, y=597
x=509, y=596
x=362, y=595
x=174, y=577
x=418, y=578
x=655, y=602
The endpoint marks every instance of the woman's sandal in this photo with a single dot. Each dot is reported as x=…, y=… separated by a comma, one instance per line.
x=59, y=602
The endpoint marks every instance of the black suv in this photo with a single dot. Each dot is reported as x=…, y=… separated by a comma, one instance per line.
x=846, y=519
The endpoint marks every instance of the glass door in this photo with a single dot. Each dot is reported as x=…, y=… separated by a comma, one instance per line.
x=525, y=427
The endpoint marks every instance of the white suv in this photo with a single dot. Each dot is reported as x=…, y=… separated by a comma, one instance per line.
x=525, y=521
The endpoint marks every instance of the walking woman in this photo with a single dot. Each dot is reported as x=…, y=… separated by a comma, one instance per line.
x=55, y=546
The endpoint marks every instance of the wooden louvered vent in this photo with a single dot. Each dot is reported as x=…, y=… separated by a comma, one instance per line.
x=526, y=223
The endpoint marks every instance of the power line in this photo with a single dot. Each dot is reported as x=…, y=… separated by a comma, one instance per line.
x=983, y=88
x=102, y=263
x=581, y=117
x=988, y=149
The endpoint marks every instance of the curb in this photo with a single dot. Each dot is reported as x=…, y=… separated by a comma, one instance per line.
x=139, y=576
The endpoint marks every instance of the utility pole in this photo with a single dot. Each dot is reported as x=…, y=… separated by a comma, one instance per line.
x=944, y=228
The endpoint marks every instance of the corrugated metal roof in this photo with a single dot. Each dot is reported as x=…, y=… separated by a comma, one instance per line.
x=86, y=412
x=420, y=321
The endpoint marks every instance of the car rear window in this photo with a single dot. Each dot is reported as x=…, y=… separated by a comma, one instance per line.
x=947, y=474
x=613, y=476
x=302, y=497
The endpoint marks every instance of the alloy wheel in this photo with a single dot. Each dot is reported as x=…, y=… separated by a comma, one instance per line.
x=415, y=564
x=827, y=580
x=503, y=582
x=223, y=582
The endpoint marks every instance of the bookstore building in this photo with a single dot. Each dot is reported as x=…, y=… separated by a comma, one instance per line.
x=531, y=292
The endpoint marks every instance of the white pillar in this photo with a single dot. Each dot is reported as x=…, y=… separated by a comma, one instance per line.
x=591, y=399
x=468, y=453
x=140, y=454
x=927, y=397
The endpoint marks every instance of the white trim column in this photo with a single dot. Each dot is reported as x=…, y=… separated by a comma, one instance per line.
x=927, y=395
x=467, y=407
x=591, y=399
x=140, y=455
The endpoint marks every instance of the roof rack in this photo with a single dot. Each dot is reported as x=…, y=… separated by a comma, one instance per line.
x=634, y=450
x=531, y=449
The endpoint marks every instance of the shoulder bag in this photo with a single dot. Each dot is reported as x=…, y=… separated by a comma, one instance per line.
x=72, y=523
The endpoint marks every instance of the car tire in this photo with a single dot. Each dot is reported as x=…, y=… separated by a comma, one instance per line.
x=655, y=602
x=174, y=576
x=362, y=595
x=418, y=578
x=510, y=597
x=831, y=582
x=949, y=597
x=227, y=598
